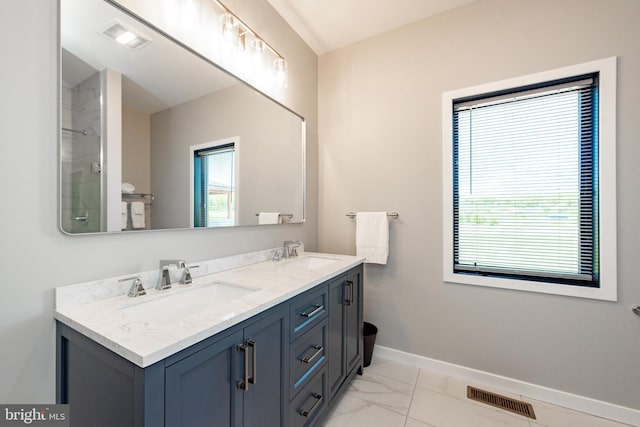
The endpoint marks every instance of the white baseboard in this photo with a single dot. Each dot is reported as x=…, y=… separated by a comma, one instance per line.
x=560, y=398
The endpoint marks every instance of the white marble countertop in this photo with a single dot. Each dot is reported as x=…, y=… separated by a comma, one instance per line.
x=101, y=309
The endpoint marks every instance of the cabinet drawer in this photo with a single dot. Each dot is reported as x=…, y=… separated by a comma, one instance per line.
x=307, y=311
x=307, y=356
x=309, y=403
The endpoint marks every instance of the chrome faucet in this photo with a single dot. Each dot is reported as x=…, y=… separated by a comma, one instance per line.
x=289, y=249
x=277, y=255
x=165, y=277
x=186, y=278
x=136, y=289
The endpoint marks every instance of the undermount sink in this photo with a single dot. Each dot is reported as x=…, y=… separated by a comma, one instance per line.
x=312, y=262
x=175, y=307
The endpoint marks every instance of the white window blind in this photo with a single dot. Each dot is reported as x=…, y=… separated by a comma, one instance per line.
x=525, y=200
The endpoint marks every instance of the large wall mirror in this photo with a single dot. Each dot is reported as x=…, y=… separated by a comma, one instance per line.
x=154, y=136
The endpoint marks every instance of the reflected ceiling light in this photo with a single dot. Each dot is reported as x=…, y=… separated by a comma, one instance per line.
x=237, y=34
x=124, y=36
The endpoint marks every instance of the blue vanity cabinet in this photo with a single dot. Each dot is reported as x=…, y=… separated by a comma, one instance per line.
x=353, y=313
x=237, y=381
x=280, y=368
x=104, y=389
x=308, y=357
x=345, y=329
x=267, y=341
x=309, y=405
x=235, y=378
x=203, y=386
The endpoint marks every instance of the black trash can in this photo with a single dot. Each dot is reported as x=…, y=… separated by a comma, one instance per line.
x=369, y=332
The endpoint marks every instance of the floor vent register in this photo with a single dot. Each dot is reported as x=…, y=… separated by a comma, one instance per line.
x=508, y=404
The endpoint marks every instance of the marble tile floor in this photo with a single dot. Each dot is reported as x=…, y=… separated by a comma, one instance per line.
x=390, y=394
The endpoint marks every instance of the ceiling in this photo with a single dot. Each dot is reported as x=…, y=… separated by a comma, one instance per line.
x=150, y=82
x=327, y=25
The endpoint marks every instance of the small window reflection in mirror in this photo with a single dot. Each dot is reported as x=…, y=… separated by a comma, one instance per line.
x=215, y=184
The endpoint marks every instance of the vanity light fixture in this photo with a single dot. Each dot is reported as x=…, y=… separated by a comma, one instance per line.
x=238, y=34
x=124, y=36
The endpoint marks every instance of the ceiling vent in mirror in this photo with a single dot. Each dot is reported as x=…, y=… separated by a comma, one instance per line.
x=124, y=36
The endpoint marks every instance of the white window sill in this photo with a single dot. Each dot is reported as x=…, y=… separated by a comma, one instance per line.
x=607, y=293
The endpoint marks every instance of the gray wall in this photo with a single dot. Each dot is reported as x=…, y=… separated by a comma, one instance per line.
x=380, y=149
x=36, y=256
x=269, y=154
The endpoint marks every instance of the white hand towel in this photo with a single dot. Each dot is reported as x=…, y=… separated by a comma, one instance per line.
x=128, y=188
x=123, y=215
x=137, y=214
x=269, y=218
x=372, y=236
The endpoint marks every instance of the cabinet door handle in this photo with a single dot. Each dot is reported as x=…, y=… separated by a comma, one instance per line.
x=316, y=309
x=351, y=287
x=319, y=349
x=306, y=413
x=244, y=385
x=254, y=347
x=349, y=299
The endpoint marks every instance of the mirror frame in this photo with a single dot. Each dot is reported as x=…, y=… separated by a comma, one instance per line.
x=219, y=67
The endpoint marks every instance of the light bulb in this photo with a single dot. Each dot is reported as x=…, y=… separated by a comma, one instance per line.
x=125, y=37
x=281, y=73
x=257, y=54
x=257, y=45
x=229, y=24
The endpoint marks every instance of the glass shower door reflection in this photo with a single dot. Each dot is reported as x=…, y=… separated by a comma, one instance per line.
x=81, y=185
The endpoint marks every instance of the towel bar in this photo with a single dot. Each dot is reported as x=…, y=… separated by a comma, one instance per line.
x=288, y=215
x=148, y=198
x=392, y=215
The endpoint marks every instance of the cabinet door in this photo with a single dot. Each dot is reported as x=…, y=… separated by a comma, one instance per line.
x=264, y=398
x=202, y=389
x=337, y=369
x=345, y=327
x=353, y=318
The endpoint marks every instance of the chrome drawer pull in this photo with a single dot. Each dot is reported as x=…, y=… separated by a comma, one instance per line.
x=318, y=352
x=317, y=309
x=311, y=410
x=244, y=385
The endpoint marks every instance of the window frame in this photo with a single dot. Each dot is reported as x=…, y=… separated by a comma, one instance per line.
x=607, y=69
x=213, y=145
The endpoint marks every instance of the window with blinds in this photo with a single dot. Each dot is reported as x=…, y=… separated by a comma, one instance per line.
x=214, y=186
x=525, y=183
